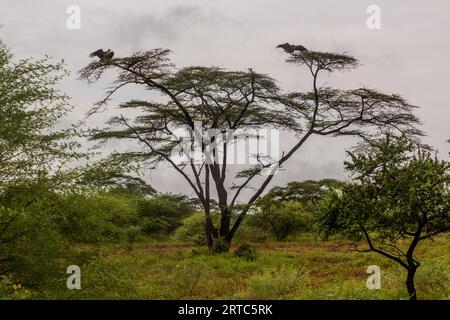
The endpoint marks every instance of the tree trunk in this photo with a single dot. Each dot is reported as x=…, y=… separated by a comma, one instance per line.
x=209, y=235
x=410, y=282
x=225, y=218
x=217, y=239
x=412, y=266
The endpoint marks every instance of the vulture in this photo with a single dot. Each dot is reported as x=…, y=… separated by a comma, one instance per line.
x=104, y=56
x=291, y=48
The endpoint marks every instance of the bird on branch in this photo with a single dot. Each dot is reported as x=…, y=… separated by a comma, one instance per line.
x=104, y=56
x=292, y=48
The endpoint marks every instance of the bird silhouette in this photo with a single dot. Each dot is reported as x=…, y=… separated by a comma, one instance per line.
x=104, y=56
x=292, y=48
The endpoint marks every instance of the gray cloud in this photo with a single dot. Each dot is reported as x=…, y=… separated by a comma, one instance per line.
x=177, y=23
x=407, y=56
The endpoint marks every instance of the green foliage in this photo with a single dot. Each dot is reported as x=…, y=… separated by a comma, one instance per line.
x=251, y=230
x=96, y=217
x=220, y=245
x=132, y=233
x=433, y=278
x=193, y=228
x=32, y=251
x=307, y=192
x=30, y=108
x=281, y=271
x=398, y=191
x=399, y=198
x=281, y=218
x=6, y=286
x=289, y=209
x=33, y=159
x=246, y=251
x=99, y=278
x=162, y=214
x=114, y=176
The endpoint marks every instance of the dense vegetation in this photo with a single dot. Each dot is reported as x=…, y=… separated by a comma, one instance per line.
x=59, y=207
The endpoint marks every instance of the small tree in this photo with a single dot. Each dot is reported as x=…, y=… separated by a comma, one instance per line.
x=282, y=218
x=399, y=197
x=33, y=155
x=30, y=108
x=233, y=103
x=31, y=148
x=290, y=208
x=163, y=213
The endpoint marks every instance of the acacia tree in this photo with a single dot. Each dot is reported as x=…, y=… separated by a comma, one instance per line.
x=30, y=108
x=308, y=191
x=33, y=158
x=235, y=101
x=30, y=146
x=400, y=196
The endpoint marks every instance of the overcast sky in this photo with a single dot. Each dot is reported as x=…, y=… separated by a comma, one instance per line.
x=409, y=55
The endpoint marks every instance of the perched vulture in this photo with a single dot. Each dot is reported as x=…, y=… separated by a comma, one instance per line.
x=291, y=48
x=104, y=56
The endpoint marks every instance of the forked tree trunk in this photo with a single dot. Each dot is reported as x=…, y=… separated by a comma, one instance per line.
x=223, y=234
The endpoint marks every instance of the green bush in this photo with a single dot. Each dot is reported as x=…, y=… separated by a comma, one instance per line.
x=246, y=251
x=162, y=214
x=132, y=233
x=95, y=218
x=251, y=231
x=32, y=251
x=220, y=245
x=193, y=228
x=282, y=218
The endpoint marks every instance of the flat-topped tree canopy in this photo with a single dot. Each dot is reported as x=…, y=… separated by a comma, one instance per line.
x=328, y=61
x=363, y=112
x=238, y=101
x=210, y=96
x=153, y=64
x=217, y=97
x=226, y=99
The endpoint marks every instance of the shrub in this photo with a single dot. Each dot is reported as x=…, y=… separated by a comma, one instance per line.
x=132, y=232
x=193, y=228
x=220, y=245
x=251, y=231
x=32, y=251
x=246, y=251
x=95, y=218
x=282, y=218
x=163, y=213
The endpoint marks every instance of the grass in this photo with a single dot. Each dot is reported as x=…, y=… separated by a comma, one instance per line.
x=304, y=269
